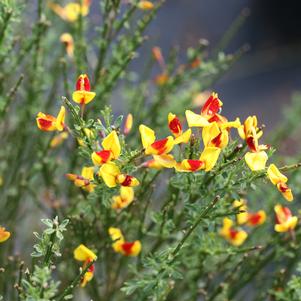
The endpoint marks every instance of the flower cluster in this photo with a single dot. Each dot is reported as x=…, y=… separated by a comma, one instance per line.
x=236, y=235
x=208, y=132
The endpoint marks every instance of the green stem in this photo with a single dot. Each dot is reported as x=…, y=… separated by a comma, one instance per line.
x=73, y=284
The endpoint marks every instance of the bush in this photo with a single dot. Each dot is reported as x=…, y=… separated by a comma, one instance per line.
x=168, y=203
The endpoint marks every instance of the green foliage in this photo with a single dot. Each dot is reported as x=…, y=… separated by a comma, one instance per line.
x=176, y=216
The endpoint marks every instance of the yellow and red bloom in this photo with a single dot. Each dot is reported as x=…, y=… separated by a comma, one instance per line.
x=285, y=221
x=213, y=136
x=123, y=247
x=111, y=150
x=153, y=146
x=128, y=124
x=127, y=180
x=176, y=129
x=82, y=253
x=189, y=165
x=257, y=158
x=247, y=128
x=4, y=235
x=71, y=11
x=85, y=180
x=67, y=40
x=50, y=123
x=112, y=176
x=212, y=106
x=256, y=218
x=210, y=113
x=124, y=199
x=82, y=94
x=279, y=180
x=249, y=218
x=234, y=236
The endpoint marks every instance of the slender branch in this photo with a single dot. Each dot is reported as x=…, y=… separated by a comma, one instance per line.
x=73, y=284
x=193, y=227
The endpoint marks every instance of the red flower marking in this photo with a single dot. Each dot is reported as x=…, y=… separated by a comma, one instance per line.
x=91, y=268
x=282, y=187
x=127, y=248
x=83, y=83
x=127, y=181
x=104, y=155
x=254, y=218
x=217, y=118
x=195, y=164
x=251, y=143
x=175, y=126
x=211, y=106
x=283, y=216
x=217, y=140
x=233, y=233
x=160, y=145
x=45, y=123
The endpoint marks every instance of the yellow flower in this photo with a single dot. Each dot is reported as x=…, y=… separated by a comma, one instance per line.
x=50, y=123
x=109, y=172
x=67, y=40
x=234, y=236
x=246, y=129
x=249, y=218
x=128, y=124
x=210, y=156
x=242, y=217
x=84, y=180
x=111, y=150
x=214, y=136
x=82, y=253
x=82, y=94
x=71, y=11
x=189, y=165
x=279, y=179
x=4, y=235
x=175, y=127
x=121, y=246
x=153, y=146
x=285, y=221
x=166, y=161
x=195, y=120
x=257, y=158
x=145, y=5
x=124, y=199
x=256, y=161
x=112, y=176
x=58, y=139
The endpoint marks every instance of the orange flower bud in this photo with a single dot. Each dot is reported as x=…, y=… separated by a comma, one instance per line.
x=128, y=124
x=145, y=5
x=67, y=40
x=4, y=235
